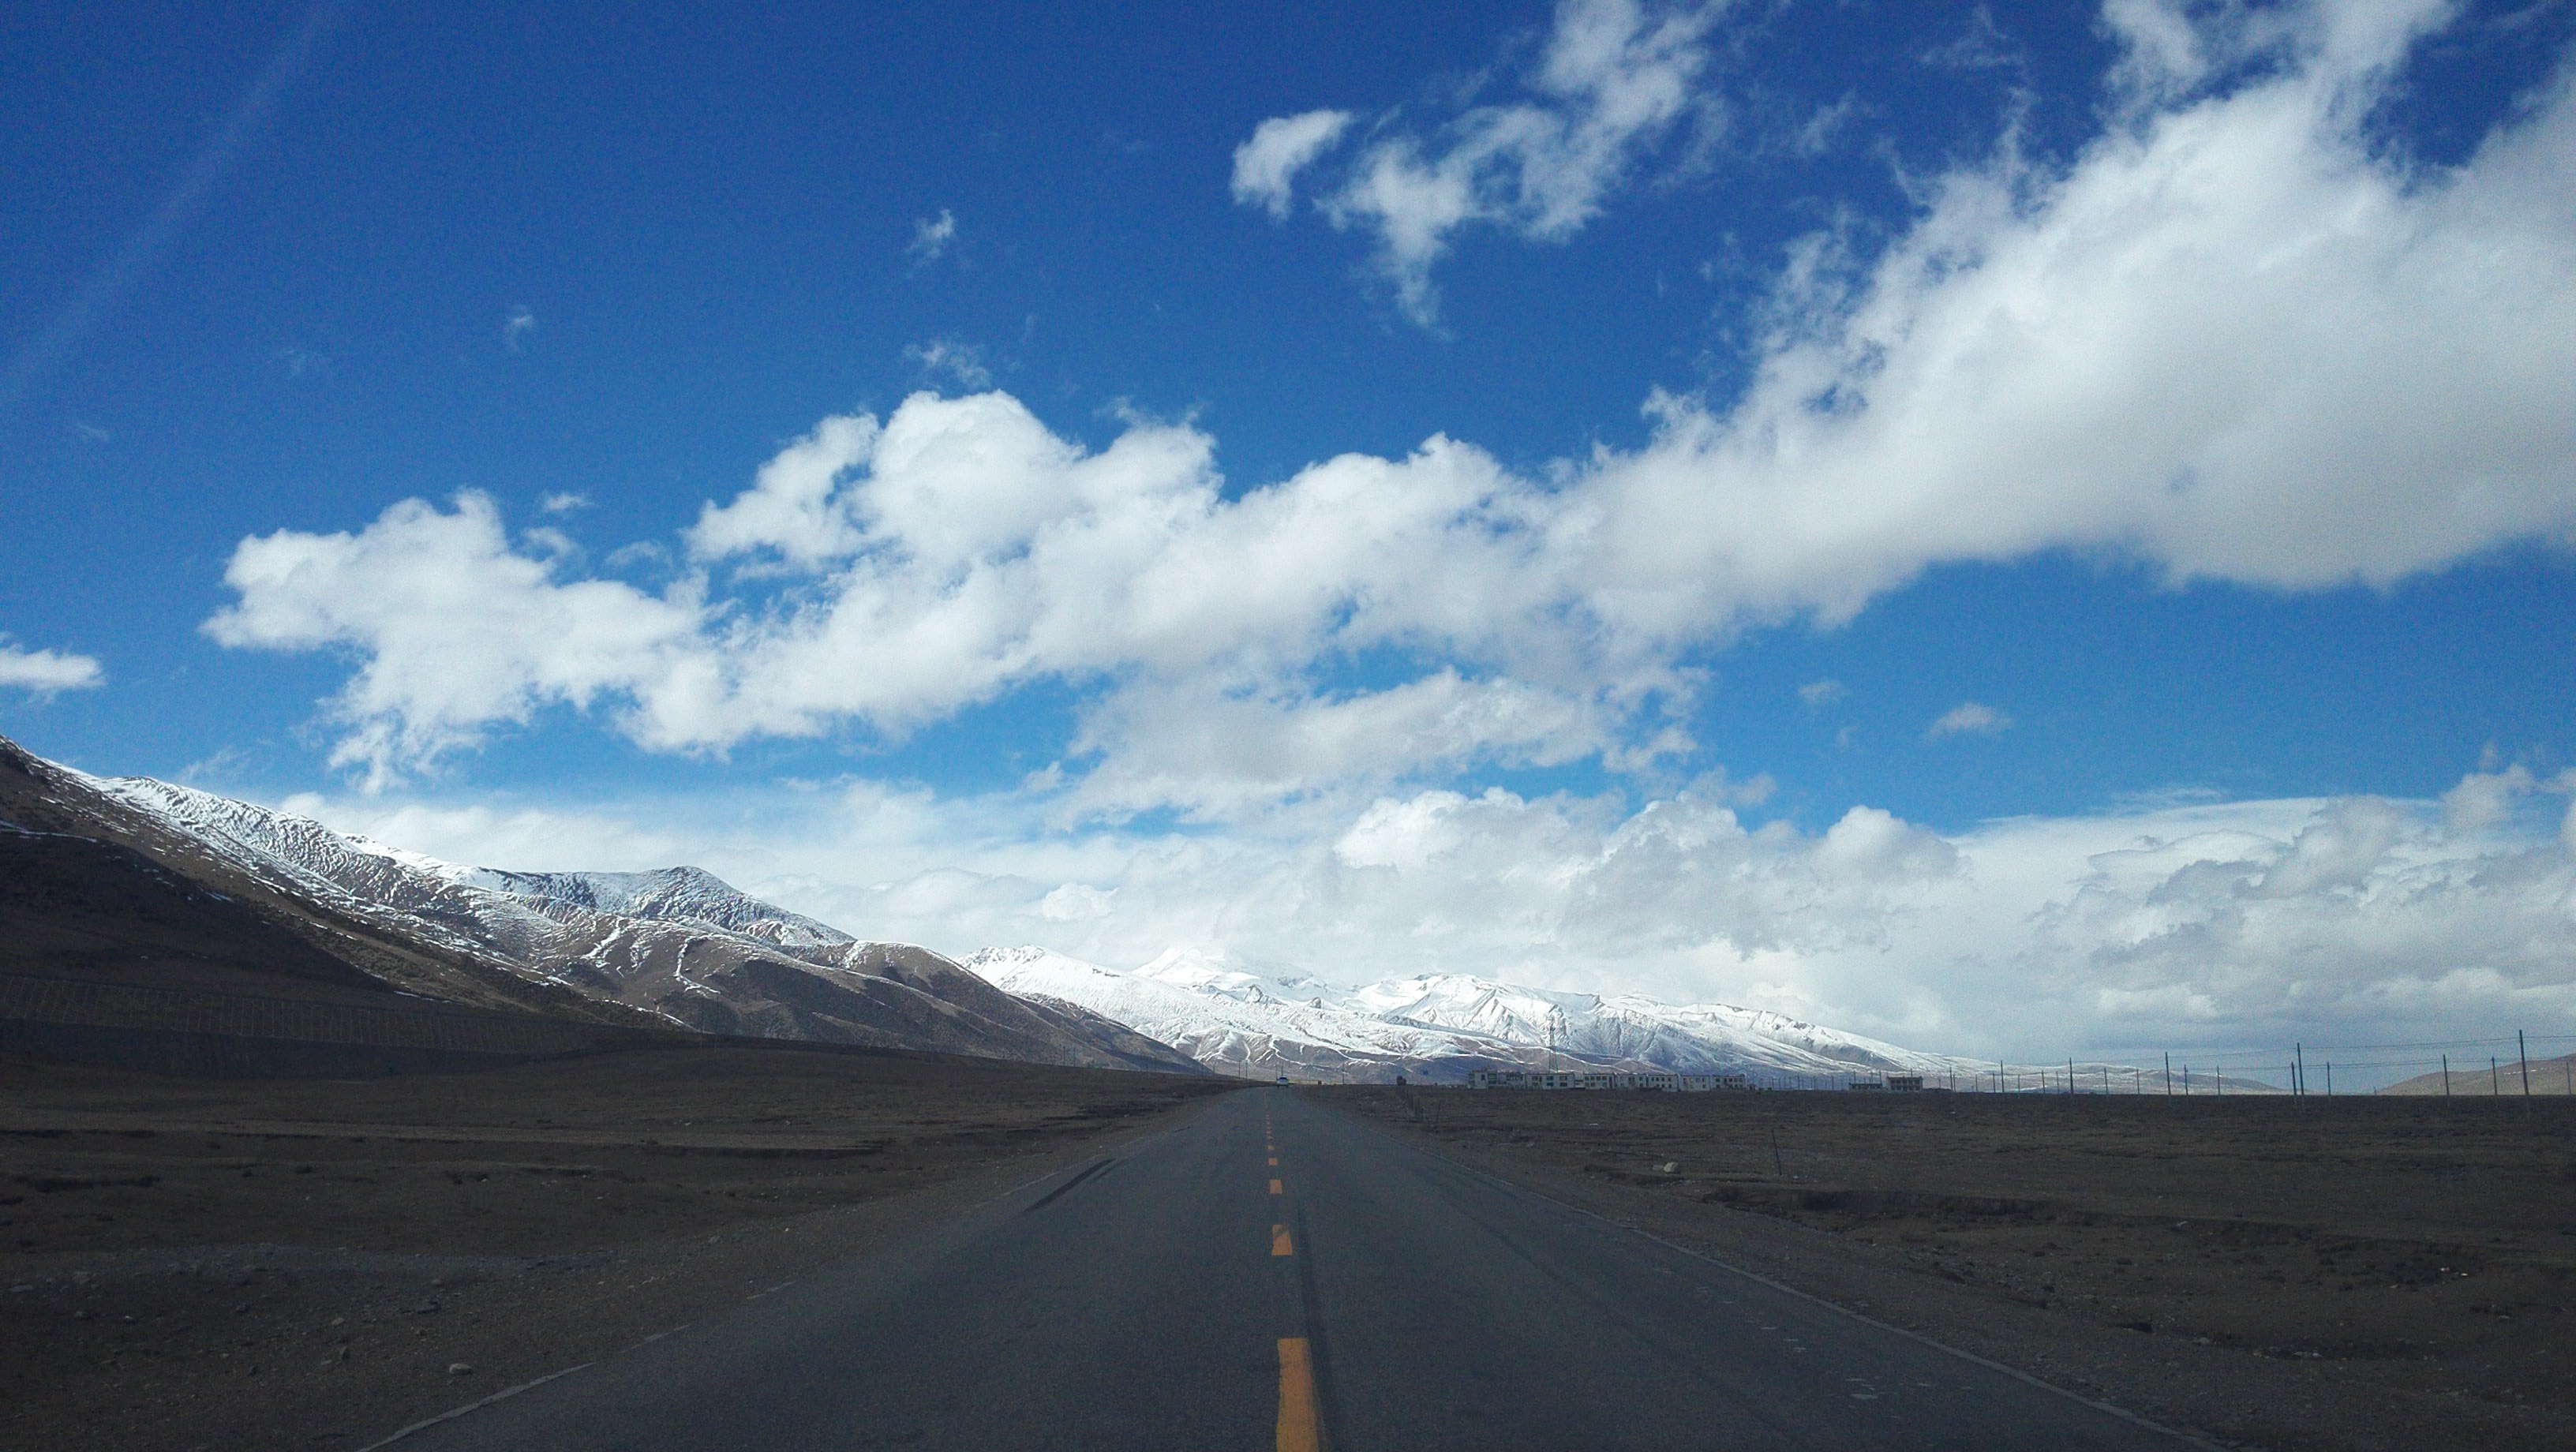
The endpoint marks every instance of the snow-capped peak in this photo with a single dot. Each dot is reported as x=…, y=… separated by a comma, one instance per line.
x=1262, y=1019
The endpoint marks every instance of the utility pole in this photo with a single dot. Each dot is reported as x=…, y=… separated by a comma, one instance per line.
x=2523, y=1051
x=2446, y=1076
x=2168, y=1073
x=2329, y=1080
x=2298, y=1068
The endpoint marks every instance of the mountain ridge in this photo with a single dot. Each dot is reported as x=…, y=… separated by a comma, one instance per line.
x=681, y=948
x=687, y=951
x=1441, y=1027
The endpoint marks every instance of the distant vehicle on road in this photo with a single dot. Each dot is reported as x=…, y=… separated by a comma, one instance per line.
x=1283, y=1078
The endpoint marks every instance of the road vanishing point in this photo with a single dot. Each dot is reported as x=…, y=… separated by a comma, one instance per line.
x=1271, y=1275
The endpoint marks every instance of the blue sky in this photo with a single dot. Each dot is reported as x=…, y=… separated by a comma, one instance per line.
x=2035, y=427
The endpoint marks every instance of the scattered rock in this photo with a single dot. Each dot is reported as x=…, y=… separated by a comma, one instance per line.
x=459, y=1368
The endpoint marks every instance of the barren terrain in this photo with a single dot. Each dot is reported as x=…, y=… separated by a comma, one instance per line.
x=2289, y=1273
x=197, y=1263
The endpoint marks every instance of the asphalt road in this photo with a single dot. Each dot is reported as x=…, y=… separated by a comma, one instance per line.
x=1272, y=1275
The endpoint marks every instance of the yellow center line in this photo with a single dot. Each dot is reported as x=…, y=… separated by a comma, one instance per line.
x=1274, y=1188
x=1297, y=1424
x=1279, y=1241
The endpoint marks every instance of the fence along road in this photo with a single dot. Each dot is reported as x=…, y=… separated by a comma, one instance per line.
x=1188, y=1292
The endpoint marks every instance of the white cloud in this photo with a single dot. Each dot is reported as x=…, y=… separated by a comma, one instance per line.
x=1968, y=718
x=2228, y=339
x=1820, y=694
x=517, y=327
x=1216, y=754
x=564, y=503
x=1614, y=82
x=931, y=236
x=1266, y=166
x=790, y=507
x=461, y=629
x=945, y=358
x=1981, y=45
x=2212, y=925
x=45, y=673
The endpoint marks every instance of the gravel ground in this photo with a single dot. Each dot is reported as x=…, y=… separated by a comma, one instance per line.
x=2348, y=1274
x=220, y=1264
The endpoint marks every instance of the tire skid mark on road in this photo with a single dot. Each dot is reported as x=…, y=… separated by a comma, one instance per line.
x=1090, y=1172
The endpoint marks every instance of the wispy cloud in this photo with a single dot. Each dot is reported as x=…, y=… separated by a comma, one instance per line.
x=518, y=327
x=1980, y=45
x=185, y=197
x=1820, y=694
x=1968, y=718
x=931, y=236
x=950, y=361
x=1615, y=81
x=45, y=673
x=564, y=503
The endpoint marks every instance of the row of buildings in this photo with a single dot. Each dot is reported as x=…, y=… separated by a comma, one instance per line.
x=1669, y=1083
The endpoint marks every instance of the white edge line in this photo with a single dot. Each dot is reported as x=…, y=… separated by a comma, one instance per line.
x=474, y=1406
x=2123, y=1413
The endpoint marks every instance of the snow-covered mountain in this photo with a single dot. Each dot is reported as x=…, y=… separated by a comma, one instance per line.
x=1244, y=1020
x=678, y=947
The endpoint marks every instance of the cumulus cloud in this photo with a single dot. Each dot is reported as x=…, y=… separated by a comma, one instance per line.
x=1266, y=166
x=46, y=673
x=2229, y=339
x=462, y=629
x=1968, y=718
x=2358, y=912
x=1615, y=80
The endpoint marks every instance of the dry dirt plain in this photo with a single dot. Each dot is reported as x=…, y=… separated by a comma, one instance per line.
x=2348, y=1273
x=204, y=1263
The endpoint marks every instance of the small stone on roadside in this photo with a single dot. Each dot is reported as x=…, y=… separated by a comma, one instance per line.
x=459, y=1368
